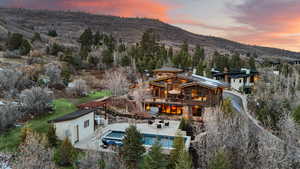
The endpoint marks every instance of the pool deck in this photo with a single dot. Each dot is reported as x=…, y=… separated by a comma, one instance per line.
x=94, y=142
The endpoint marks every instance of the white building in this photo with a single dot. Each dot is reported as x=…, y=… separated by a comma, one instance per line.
x=77, y=126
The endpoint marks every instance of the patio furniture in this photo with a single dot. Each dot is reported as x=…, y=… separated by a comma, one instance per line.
x=167, y=124
x=161, y=121
x=159, y=126
x=150, y=122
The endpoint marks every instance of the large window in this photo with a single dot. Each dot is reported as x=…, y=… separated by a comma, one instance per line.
x=86, y=123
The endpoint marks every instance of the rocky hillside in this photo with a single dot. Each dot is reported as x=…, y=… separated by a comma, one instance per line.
x=70, y=25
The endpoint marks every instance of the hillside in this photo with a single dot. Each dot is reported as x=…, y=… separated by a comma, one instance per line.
x=70, y=25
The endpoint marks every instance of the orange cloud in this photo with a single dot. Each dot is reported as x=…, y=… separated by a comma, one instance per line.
x=125, y=8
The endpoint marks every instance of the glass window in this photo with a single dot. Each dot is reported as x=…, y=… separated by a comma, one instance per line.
x=86, y=123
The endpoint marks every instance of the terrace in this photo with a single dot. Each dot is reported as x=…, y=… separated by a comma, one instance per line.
x=117, y=131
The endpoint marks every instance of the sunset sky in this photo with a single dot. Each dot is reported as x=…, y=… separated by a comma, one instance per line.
x=274, y=23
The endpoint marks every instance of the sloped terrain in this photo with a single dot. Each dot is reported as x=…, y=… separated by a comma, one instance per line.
x=70, y=25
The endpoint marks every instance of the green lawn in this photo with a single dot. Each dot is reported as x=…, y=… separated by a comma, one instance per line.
x=10, y=140
x=93, y=96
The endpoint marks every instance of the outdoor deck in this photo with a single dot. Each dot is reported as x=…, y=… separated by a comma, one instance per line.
x=94, y=142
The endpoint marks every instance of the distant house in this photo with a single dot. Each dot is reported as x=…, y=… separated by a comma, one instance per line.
x=76, y=126
x=243, y=79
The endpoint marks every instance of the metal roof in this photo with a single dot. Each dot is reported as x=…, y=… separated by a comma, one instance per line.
x=73, y=115
x=204, y=81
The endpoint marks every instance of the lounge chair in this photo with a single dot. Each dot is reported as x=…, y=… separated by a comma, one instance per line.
x=150, y=122
x=167, y=124
x=159, y=126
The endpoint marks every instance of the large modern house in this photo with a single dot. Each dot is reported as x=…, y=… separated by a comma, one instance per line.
x=242, y=80
x=176, y=93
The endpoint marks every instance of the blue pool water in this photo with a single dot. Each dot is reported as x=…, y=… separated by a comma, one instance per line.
x=148, y=139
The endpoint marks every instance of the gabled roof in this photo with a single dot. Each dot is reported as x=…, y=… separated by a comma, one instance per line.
x=168, y=69
x=72, y=116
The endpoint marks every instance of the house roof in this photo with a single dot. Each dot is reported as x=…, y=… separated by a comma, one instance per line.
x=72, y=116
x=168, y=69
x=204, y=81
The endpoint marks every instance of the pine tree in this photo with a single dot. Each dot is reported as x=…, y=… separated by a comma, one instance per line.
x=107, y=57
x=97, y=38
x=252, y=65
x=86, y=39
x=66, y=154
x=178, y=145
x=133, y=148
x=184, y=161
x=198, y=56
x=155, y=159
x=51, y=135
x=25, y=47
x=52, y=33
x=200, y=69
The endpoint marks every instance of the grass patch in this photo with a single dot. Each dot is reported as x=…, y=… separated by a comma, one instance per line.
x=93, y=96
x=10, y=140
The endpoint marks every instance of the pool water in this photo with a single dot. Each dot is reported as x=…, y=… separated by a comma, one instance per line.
x=148, y=139
x=116, y=134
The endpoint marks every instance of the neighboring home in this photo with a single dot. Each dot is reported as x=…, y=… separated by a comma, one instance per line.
x=76, y=126
x=242, y=80
x=175, y=93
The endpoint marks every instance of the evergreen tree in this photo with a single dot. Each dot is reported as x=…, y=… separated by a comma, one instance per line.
x=86, y=39
x=155, y=159
x=252, y=63
x=133, y=149
x=52, y=33
x=236, y=62
x=125, y=60
x=296, y=114
x=198, y=56
x=15, y=41
x=97, y=38
x=107, y=57
x=66, y=154
x=200, y=69
x=25, y=47
x=178, y=145
x=221, y=161
x=184, y=161
x=170, y=53
x=183, y=59
x=36, y=37
x=51, y=135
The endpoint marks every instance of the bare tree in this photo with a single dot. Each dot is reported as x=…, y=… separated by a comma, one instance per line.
x=78, y=88
x=34, y=153
x=36, y=99
x=53, y=71
x=116, y=81
x=139, y=94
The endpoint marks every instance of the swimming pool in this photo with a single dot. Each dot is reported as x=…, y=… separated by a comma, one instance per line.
x=148, y=139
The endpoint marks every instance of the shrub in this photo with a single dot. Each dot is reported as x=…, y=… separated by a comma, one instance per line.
x=25, y=47
x=66, y=154
x=220, y=161
x=15, y=40
x=52, y=33
x=296, y=114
